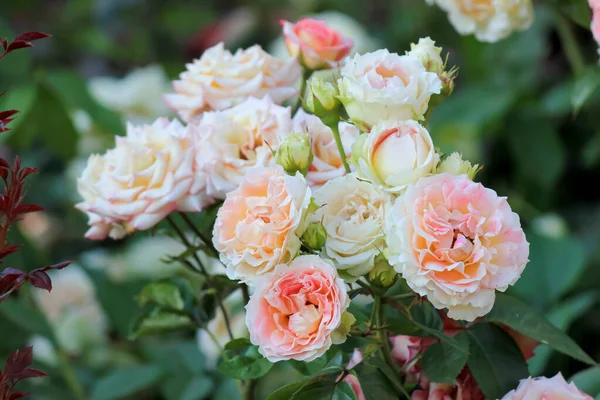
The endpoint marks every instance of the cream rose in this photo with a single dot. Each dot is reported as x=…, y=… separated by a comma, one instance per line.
x=220, y=80
x=314, y=43
x=456, y=242
x=259, y=224
x=150, y=173
x=428, y=53
x=353, y=213
x=294, y=311
x=231, y=142
x=395, y=154
x=488, y=20
x=327, y=162
x=555, y=388
x=382, y=85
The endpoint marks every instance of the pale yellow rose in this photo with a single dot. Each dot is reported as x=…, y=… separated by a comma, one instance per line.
x=219, y=80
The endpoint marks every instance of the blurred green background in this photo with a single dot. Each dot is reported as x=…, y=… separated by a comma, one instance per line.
x=526, y=108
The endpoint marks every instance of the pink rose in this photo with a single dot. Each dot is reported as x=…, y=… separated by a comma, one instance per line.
x=293, y=311
x=352, y=380
x=465, y=388
x=456, y=242
x=316, y=44
x=595, y=4
x=259, y=224
x=555, y=388
x=404, y=350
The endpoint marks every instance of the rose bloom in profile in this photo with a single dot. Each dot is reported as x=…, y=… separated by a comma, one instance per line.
x=456, y=242
x=395, y=154
x=555, y=388
x=353, y=213
x=382, y=85
x=148, y=174
x=316, y=44
x=259, y=224
x=327, y=163
x=488, y=20
x=294, y=311
x=230, y=142
x=220, y=80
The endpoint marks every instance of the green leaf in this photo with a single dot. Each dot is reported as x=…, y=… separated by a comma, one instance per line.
x=125, y=381
x=182, y=387
x=442, y=363
x=585, y=85
x=243, y=361
x=320, y=389
x=578, y=11
x=286, y=392
x=177, y=357
x=160, y=321
x=343, y=391
x=27, y=318
x=73, y=91
x=550, y=257
x=588, y=381
x=562, y=316
x=523, y=319
x=495, y=360
x=163, y=294
x=374, y=384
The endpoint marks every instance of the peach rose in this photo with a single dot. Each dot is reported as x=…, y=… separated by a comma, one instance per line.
x=220, y=80
x=541, y=388
x=293, y=311
x=327, y=162
x=382, y=85
x=259, y=224
x=232, y=141
x=456, y=242
x=316, y=44
x=149, y=174
x=395, y=154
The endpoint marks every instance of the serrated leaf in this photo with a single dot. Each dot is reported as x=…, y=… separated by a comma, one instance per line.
x=163, y=294
x=495, y=360
x=243, y=361
x=374, y=383
x=442, y=363
x=523, y=319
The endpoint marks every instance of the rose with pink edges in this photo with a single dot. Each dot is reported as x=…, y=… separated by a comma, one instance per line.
x=316, y=44
x=555, y=388
x=293, y=311
x=456, y=242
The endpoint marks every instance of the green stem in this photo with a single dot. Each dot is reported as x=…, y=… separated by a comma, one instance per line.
x=70, y=376
x=250, y=389
x=569, y=43
x=382, y=335
x=306, y=73
x=194, y=229
x=340, y=146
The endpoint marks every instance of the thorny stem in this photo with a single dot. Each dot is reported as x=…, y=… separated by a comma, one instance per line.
x=382, y=335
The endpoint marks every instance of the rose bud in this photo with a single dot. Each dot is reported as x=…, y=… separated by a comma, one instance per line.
x=455, y=165
x=321, y=99
x=315, y=236
x=295, y=153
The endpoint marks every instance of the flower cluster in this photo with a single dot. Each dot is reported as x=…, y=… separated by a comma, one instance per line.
x=348, y=190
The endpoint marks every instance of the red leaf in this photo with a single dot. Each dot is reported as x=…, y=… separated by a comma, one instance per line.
x=30, y=36
x=29, y=373
x=8, y=249
x=4, y=43
x=18, y=361
x=18, y=44
x=8, y=113
x=8, y=282
x=55, y=266
x=41, y=280
x=27, y=208
x=17, y=395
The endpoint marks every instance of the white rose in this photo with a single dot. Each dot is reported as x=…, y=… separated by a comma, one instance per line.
x=455, y=165
x=150, y=173
x=383, y=85
x=232, y=141
x=138, y=96
x=395, y=154
x=327, y=162
x=220, y=80
x=488, y=20
x=353, y=213
x=72, y=310
x=430, y=55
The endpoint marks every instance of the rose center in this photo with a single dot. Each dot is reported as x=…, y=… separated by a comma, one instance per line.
x=477, y=9
x=305, y=321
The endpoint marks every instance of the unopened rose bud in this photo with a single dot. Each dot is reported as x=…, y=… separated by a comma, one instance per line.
x=382, y=274
x=447, y=78
x=315, y=236
x=339, y=335
x=429, y=54
x=455, y=165
x=295, y=153
x=321, y=98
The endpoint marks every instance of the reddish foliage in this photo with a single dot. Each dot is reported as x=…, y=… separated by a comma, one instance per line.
x=21, y=41
x=15, y=369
